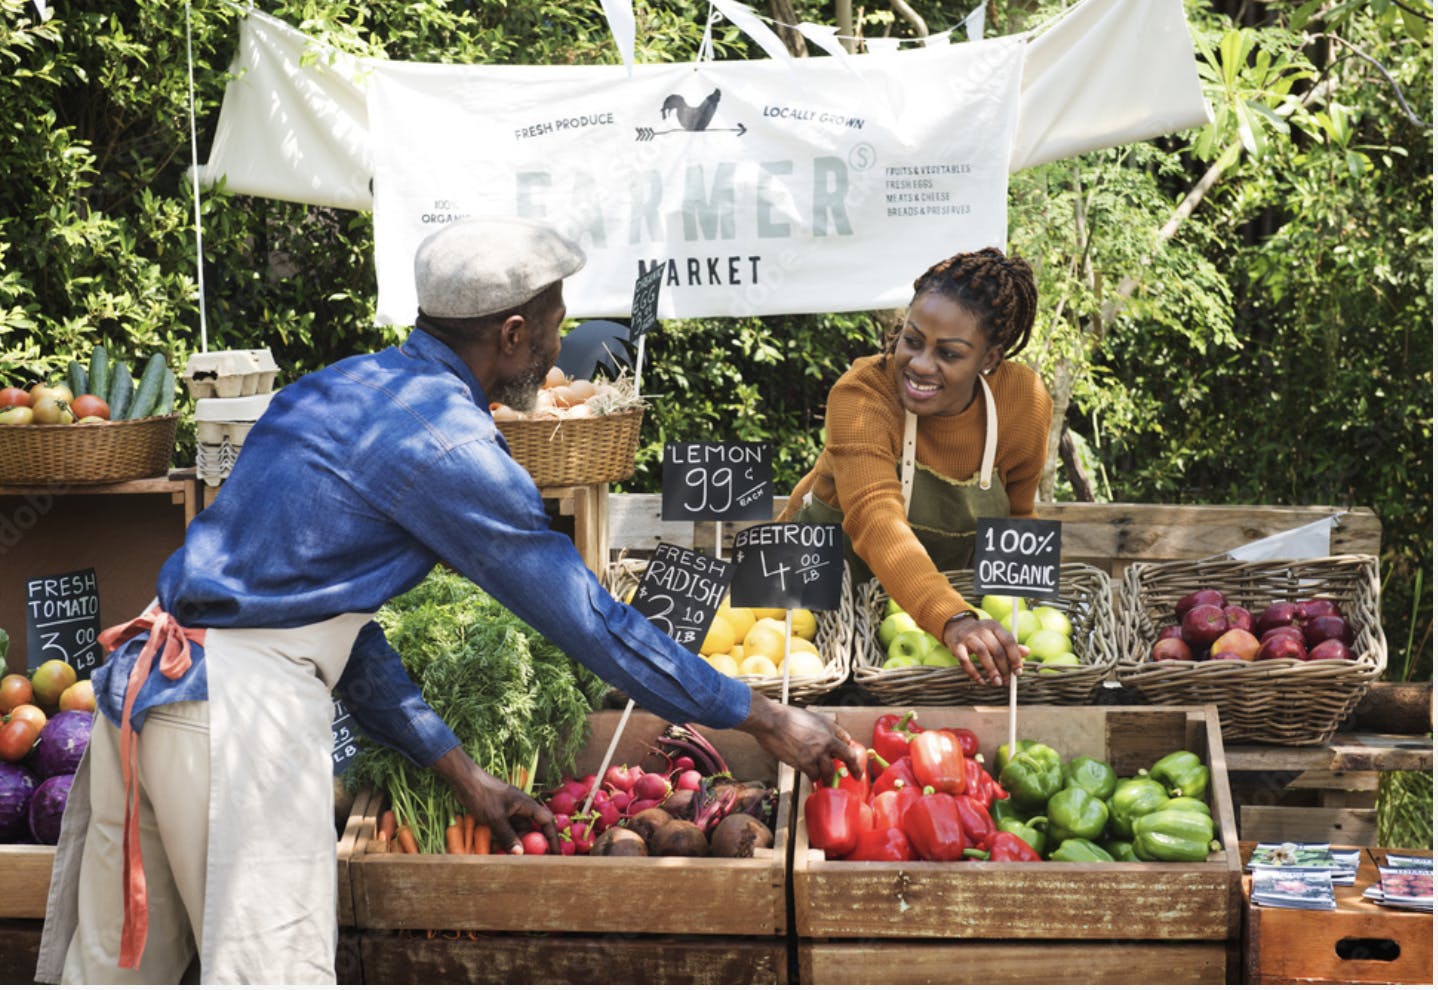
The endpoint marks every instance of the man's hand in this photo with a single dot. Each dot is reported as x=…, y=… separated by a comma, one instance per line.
x=806, y=741
x=494, y=802
x=986, y=644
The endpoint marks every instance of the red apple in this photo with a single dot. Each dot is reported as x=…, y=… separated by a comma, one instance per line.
x=1171, y=648
x=1331, y=649
x=1203, y=596
x=1317, y=606
x=1322, y=627
x=1240, y=643
x=1203, y=623
x=1276, y=614
x=1171, y=632
x=1283, y=632
x=1238, y=617
x=1282, y=648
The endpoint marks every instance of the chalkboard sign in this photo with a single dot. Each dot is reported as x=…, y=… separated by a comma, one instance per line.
x=788, y=565
x=718, y=481
x=1017, y=557
x=62, y=621
x=681, y=590
x=345, y=733
x=644, y=313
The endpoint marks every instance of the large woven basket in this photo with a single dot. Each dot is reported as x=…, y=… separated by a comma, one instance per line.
x=1284, y=702
x=575, y=451
x=87, y=453
x=1085, y=595
x=832, y=638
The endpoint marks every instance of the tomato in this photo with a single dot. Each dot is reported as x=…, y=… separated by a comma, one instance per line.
x=90, y=405
x=14, y=690
x=43, y=391
x=16, y=740
x=17, y=416
x=79, y=696
x=51, y=410
x=13, y=396
x=29, y=713
x=50, y=680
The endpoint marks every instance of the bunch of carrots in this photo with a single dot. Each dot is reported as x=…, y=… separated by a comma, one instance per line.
x=463, y=835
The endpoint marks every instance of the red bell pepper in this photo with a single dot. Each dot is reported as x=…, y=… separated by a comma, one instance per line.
x=833, y=818
x=857, y=786
x=884, y=845
x=968, y=739
x=975, y=818
x=1006, y=847
x=892, y=733
x=939, y=762
x=901, y=769
x=889, y=806
x=933, y=827
x=981, y=785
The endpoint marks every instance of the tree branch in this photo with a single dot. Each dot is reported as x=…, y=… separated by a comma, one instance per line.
x=909, y=14
x=1397, y=91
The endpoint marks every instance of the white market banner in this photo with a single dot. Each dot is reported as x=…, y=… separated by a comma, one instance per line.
x=755, y=194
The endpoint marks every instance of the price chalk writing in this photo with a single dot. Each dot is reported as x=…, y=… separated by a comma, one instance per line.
x=788, y=565
x=718, y=481
x=1017, y=557
x=644, y=313
x=345, y=733
x=62, y=621
x=681, y=590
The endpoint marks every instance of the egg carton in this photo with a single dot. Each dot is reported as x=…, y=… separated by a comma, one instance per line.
x=221, y=420
x=215, y=461
x=229, y=374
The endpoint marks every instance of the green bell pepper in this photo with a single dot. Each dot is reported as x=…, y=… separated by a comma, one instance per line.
x=1074, y=812
x=1121, y=850
x=1173, y=836
x=1005, y=808
x=1033, y=776
x=1094, y=776
x=1077, y=850
x=1182, y=772
x=1186, y=804
x=1033, y=831
x=1002, y=757
x=1133, y=797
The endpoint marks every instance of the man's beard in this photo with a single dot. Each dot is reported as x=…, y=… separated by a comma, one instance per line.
x=519, y=392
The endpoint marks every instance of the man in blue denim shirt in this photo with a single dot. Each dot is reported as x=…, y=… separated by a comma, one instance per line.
x=353, y=485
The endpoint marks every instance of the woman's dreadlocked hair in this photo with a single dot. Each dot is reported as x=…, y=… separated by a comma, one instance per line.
x=999, y=291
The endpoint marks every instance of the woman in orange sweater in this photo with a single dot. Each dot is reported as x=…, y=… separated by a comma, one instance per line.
x=933, y=434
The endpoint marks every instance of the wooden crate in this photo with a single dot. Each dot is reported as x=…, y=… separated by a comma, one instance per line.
x=1044, y=901
x=670, y=895
x=25, y=869
x=480, y=957
x=1358, y=942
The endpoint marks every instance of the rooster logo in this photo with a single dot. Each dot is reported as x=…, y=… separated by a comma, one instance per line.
x=688, y=118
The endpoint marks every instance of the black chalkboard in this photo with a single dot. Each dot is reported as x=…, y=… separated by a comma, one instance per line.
x=644, y=313
x=1017, y=557
x=718, y=481
x=345, y=733
x=62, y=621
x=681, y=590
x=788, y=565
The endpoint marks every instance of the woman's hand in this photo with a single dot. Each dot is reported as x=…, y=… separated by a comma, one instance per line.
x=806, y=741
x=494, y=802
x=984, y=644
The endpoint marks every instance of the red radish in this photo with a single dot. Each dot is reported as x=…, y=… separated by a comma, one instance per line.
x=561, y=822
x=583, y=834
x=608, y=815
x=689, y=780
x=534, y=843
x=567, y=847
x=576, y=789
x=635, y=807
x=622, y=778
x=561, y=802
x=652, y=786
x=621, y=799
x=681, y=764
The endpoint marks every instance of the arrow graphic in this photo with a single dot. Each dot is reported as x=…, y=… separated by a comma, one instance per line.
x=649, y=133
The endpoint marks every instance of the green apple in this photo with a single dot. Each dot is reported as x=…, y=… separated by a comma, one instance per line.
x=893, y=607
x=999, y=606
x=939, y=656
x=1028, y=624
x=893, y=663
x=1054, y=618
x=911, y=643
x=1057, y=663
x=893, y=625
x=1045, y=644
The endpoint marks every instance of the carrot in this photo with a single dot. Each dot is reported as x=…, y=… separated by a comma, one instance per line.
x=454, y=837
x=405, y=837
x=386, y=826
x=466, y=826
x=481, y=840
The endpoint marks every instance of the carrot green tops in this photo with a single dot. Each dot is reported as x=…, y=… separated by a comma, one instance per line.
x=857, y=471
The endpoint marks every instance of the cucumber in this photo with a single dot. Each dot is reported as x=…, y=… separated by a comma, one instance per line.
x=165, y=404
x=79, y=378
x=122, y=387
x=148, y=390
x=100, y=372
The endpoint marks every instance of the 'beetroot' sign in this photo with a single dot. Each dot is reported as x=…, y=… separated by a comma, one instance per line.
x=788, y=565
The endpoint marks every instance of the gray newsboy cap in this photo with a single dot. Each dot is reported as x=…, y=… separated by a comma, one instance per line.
x=480, y=266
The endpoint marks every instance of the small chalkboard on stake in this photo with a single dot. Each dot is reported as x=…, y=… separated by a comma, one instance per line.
x=644, y=313
x=788, y=565
x=718, y=481
x=345, y=733
x=62, y=621
x=1016, y=557
x=680, y=591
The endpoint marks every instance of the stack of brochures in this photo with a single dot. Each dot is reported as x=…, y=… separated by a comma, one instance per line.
x=1294, y=887
x=1404, y=882
x=1340, y=864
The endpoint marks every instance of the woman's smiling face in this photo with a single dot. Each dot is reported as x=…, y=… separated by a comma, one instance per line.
x=940, y=353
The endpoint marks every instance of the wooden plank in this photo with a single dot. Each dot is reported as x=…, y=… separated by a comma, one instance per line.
x=1015, y=963
x=1335, y=780
x=26, y=885
x=1396, y=706
x=470, y=958
x=1347, y=752
x=1282, y=823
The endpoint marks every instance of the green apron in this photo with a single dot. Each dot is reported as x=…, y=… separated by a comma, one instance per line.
x=943, y=513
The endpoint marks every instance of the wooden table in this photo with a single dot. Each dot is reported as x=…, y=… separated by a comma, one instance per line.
x=1358, y=943
x=589, y=506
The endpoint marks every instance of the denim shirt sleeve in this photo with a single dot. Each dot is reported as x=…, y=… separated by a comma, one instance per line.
x=477, y=507
x=386, y=703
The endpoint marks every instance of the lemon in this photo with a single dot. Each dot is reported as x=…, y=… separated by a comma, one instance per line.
x=738, y=652
x=797, y=644
x=764, y=639
x=719, y=638
x=758, y=665
x=725, y=664
x=769, y=613
x=804, y=624
x=739, y=619
x=805, y=665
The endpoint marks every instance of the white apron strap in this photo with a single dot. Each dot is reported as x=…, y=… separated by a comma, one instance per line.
x=991, y=437
x=906, y=463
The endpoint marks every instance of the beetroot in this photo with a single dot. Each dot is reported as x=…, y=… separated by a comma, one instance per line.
x=47, y=807
x=619, y=842
x=678, y=837
x=738, y=835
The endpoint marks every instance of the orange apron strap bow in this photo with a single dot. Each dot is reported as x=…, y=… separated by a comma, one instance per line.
x=172, y=641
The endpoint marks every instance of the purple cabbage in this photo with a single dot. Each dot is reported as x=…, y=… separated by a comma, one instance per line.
x=47, y=807
x=62, y=743
x=17, y=787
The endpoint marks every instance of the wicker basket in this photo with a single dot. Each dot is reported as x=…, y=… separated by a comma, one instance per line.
x=1086, y=596
x=832, y=638
x=1285, y=702
x=575, y=451
x=87, y=453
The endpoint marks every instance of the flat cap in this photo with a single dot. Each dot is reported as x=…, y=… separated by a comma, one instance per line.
x=479, y=266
